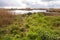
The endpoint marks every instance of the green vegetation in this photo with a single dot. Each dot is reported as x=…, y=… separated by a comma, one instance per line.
x=36, y=26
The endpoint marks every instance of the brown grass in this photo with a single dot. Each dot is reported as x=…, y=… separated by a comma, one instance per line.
x=6, y=18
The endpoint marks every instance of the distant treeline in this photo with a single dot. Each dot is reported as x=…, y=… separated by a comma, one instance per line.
x=47, y=9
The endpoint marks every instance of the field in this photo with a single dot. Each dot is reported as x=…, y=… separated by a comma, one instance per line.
x=36, y=26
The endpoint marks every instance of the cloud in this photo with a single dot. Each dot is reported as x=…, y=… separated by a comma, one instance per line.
x=30, y=3
x=54, y=4
x=47, y=0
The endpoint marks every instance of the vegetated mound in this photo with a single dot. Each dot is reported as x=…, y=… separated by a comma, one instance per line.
x=53, y=10
x=36, y=26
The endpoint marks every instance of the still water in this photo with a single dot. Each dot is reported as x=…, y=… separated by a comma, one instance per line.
x=26, y=11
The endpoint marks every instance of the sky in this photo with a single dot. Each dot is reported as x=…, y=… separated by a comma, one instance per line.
x=30, y=3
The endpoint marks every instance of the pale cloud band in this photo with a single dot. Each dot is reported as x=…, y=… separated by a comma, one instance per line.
x=30, y=3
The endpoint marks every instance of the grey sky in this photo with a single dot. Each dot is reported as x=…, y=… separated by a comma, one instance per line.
x=30, y=3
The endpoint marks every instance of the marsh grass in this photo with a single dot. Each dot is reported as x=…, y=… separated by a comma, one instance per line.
x=35, y=26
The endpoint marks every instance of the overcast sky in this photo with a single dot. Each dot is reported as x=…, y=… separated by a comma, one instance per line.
x=30, y=3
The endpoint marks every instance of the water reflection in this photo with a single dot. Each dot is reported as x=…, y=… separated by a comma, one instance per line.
x=26, y=11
